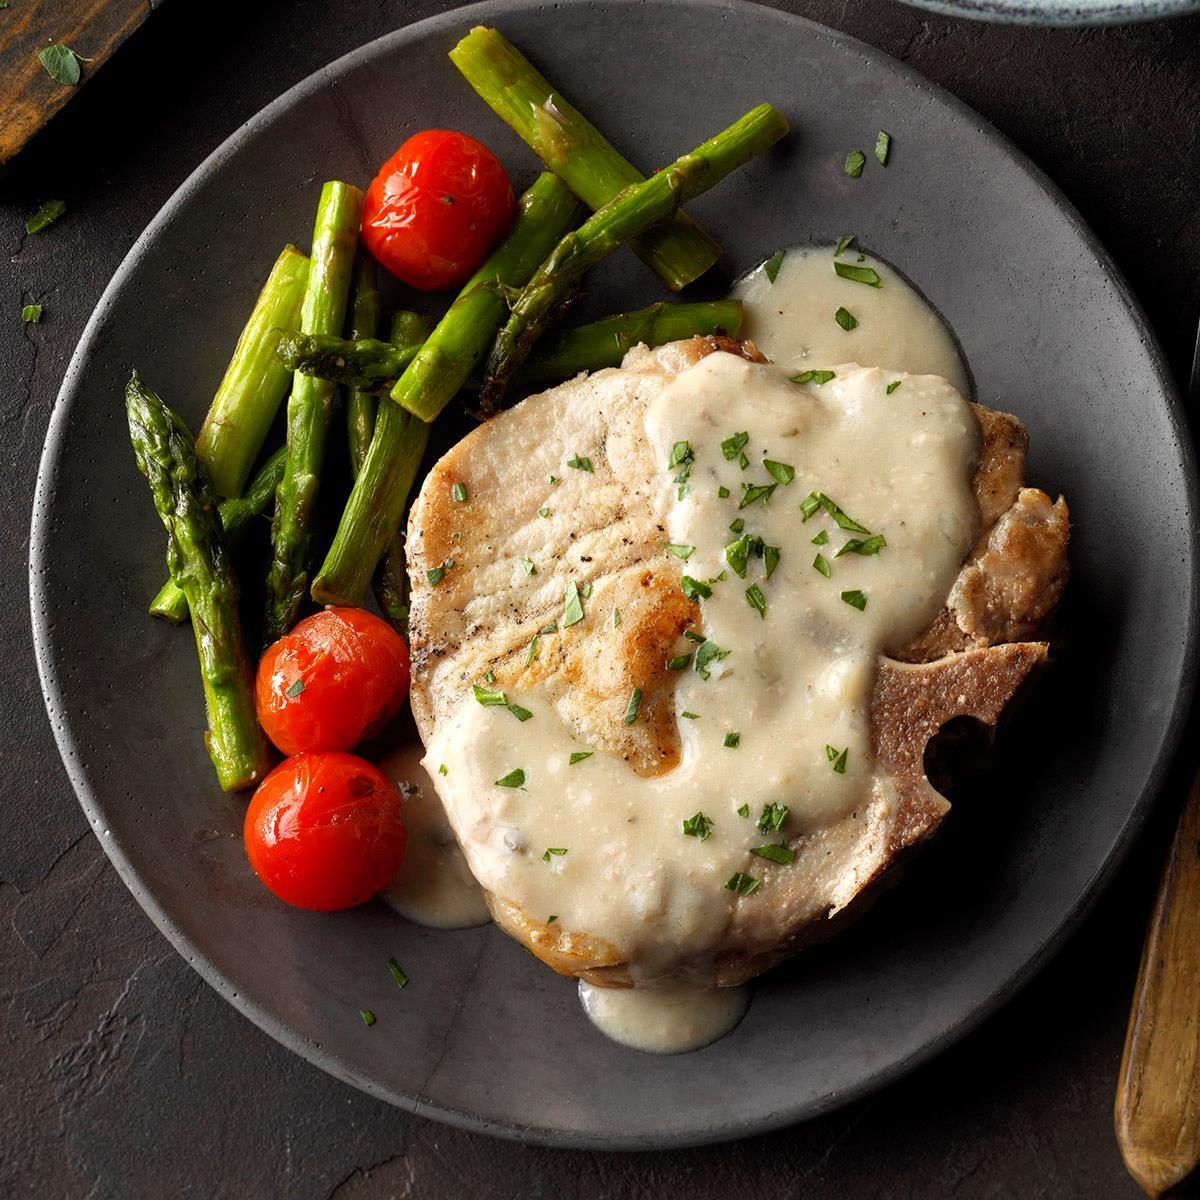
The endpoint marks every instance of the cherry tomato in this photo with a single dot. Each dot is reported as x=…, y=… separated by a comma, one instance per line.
x=325, y=831
x=436, y=208
x=340, y=676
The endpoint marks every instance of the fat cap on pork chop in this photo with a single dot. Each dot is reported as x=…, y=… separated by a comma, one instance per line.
x=598, y=526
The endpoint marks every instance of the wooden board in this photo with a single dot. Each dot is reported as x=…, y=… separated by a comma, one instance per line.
x=92, y=28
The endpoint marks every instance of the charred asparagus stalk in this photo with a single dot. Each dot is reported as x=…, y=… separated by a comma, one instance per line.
x=255, y=381
x=633, y=210
x=236, y=515
x=575, y=150
x=373, y=366
x=196, y=557
x=442, y=365
x=335, y=238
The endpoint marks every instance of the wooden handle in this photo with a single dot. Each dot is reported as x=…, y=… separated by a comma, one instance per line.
x=1158, y=1091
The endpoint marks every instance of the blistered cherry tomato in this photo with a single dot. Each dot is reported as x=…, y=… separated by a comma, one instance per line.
x=337, y=678
x=436, y=208
x=325, y=831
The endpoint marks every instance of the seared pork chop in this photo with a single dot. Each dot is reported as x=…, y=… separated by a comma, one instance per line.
x=488, y=583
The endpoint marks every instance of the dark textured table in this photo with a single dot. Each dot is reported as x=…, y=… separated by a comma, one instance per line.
x=123, y=1075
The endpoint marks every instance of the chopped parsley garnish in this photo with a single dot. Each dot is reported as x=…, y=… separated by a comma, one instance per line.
x=552, y=478
x=459, y=492
x=772, y=818
x=891, y=387
x=296, y=688
x=551, y=628
x=46, y=215
x=756, y=600
x=690, y=716
x=680, y=662
x=585, y=589
x=883, y=144
x=543, y=512
x=837, y=758
x=368, y=1017
x=846, y=319
x=864, y=546
x=436, y=574
x=709, y=653
x=753, y=492
x=821, y=538
x=514, y=779
x=681, y=452
x=817, y=377
x=698, y=826
x=397, y=974
x=616, y=617
x=772, y=265
x=843, y=244
x=489, y=677
x=580, y=463
x=743, y=884
x=31, y=314
x=635, y=702
x=551, y=918
x=867, y=275
x=841, y=518
x=737, y=525
x=737, y=554
x=780, y=472
x=573, y=608
x=693, y=636
x=694, y=589
x=533, y=648
x=488, y=698
x=528, y=564
x=731, y=447
x=855, y=599
x=855, y=161
x=557, y=851
x=733, y=740
x=775, y=853
x=443, y=769
x=822, y=565
x=684, y=552
x=522, y=714
x=810, y=504
x=577, y=756
x=743, y=810
x=722, y=492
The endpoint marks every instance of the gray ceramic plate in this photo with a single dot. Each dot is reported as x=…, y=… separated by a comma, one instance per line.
x=1062, y=12
x=484, y=1036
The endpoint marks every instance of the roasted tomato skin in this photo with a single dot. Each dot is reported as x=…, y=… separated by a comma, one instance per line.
x=436, y=208
x=336, y=679
x=325, y=831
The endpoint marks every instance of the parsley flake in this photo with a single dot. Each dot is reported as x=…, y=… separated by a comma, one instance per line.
x=46, y=215
x=514, y=779
x=891, y=387
x=397, y=974
x=731, y=447
x=772, y=265
x=577, y=756
x=732, y=740
x=775, y=853
x=837, y=758
x=543, y=512
x=694, y=589
x=841, y=518
x=616, y=617
x=843, y=244
x=772, y=818
x=684, y=552
x=855, y=599
x=756, y=600
x=753, y=492
x=573, y=607
x=864, y=546
x=883, y=146
x=821, y=538
x=690, y=716
x=635, y=702
x=557, y=851
x=368, y=1017
x=489, y=698
x=744, y=885
x=822, y=565
x=459, y=492
x=855, y=161
x=781, y=472
x=846, y=319
x=817, y=377
x=867, y=275
x=296, y=688
x=699, y=827
x=708, y=654
x=31, y=314
x=680, y=662
x=529, y=566
x=743, y=810
x=580, y=463
x=722, y=492
x=522, y=714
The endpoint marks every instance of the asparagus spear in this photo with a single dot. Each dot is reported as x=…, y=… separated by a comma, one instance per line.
x=335, y=237
x=255, y=381
x=376, y=504
x=574, y=149
x=636, y=208
x=366, y=320
x=391, y=577
x=604, y=343
x=373, y=366
x=236, y=514
x=196, y=557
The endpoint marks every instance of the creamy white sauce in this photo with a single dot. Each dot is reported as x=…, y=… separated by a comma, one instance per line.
x=434, y=885
x=792, y=321
x=670, y=1018
x=796, y=682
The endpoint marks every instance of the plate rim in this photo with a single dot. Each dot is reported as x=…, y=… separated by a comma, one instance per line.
x=1058, y=14
x=324, y=1057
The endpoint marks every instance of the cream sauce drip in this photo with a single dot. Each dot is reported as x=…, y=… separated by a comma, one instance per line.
x=796, y=681
x=792, y=321
x=670, y=1018
x=434, y=885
